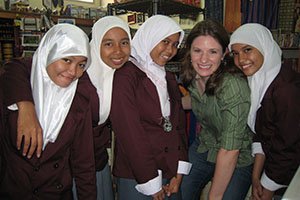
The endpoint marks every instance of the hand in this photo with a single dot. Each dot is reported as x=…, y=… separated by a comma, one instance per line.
x=159, y=195
x=174, y=185
x=29, y=130
x=267, y=194
x=257, y=189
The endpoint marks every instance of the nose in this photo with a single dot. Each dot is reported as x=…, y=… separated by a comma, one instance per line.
x=73, y=69
x=241, y=57
x=117, y=48
x=204, y=57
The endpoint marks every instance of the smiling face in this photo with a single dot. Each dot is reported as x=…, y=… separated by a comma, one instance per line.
x=165, y=50
x=206, y=55
x=115, y=48
x=66, y=70
x=247, y=58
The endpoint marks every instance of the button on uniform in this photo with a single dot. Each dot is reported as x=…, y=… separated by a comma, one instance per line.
x=56, y=165
x=35, y=191
x=36, y=168
x=166, y=149
x=59, y=186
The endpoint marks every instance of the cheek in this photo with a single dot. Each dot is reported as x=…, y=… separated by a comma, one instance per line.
x=127, y=51
x=79, y=73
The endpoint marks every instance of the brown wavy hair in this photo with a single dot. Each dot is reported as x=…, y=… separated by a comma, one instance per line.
x=214, y=29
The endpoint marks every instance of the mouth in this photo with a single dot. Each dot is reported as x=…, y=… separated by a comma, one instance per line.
x=117, y=61
x=204, y=66
x=244, y=67
x=165, y=57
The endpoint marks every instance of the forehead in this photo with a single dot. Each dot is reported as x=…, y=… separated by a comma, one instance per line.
x=116, y=33
x=206, y=40
x=240, y=46
x=173, y=37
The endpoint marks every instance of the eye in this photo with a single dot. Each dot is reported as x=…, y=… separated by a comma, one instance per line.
x=213, y=51
x=233, y=53
x=248, y=49
x=196, y=50
x=125, y=43
x=67, y=60
x=82, y=65
x=107, y=44
x=166, y=41
x=176, y=44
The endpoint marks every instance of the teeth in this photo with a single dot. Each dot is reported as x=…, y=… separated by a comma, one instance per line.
x=166, y=57
x=205, y=66
x=245, y=66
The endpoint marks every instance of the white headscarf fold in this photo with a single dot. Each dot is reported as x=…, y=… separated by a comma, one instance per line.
x=261, y=38
x=101, y=75
x=154, y=30
x=52, y=102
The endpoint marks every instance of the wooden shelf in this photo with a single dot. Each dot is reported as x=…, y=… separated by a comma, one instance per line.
x=152, y=7
x=13, y=15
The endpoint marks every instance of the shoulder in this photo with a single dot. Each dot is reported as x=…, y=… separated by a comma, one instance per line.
x=288, y=74
x=18, y=62
x=286, y=84
x=129, y=72
x=129, y=68
x=84, y=89
x=233, y=86
x=235, y=81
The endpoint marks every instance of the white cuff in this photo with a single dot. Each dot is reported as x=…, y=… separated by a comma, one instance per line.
x=151, y=187
x=184, y=167
x=269, y=184
x=257, y=149
x=13, y=107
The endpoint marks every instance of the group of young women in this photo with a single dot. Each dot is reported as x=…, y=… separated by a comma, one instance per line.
x=56, y=119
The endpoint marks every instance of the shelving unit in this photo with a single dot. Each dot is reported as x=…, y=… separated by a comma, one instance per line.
x=12, y=15
x=12, y=36
x=153, y=7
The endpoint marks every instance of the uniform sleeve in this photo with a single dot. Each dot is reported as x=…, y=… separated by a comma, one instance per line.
x=82, y=159
x=234, y=101
x=16, y=82
x=126, y=123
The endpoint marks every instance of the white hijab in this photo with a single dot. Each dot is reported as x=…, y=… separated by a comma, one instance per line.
x=52, y=102
x=261, y=38
x=101, y=75
x=153, y=31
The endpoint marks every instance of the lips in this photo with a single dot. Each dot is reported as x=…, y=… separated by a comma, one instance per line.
x=245, y=66
x=165, y=57
x=204, y=66
x=117, y=61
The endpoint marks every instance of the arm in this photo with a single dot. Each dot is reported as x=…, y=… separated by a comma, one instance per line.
x=29, y=130
x=186, y=102
x=225, y=165
x=233, y=98
x=17, y=90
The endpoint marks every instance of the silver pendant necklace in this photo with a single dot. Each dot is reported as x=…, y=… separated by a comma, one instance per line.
x=167, y=124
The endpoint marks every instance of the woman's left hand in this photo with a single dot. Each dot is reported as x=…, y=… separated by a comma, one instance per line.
x=174, y=185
